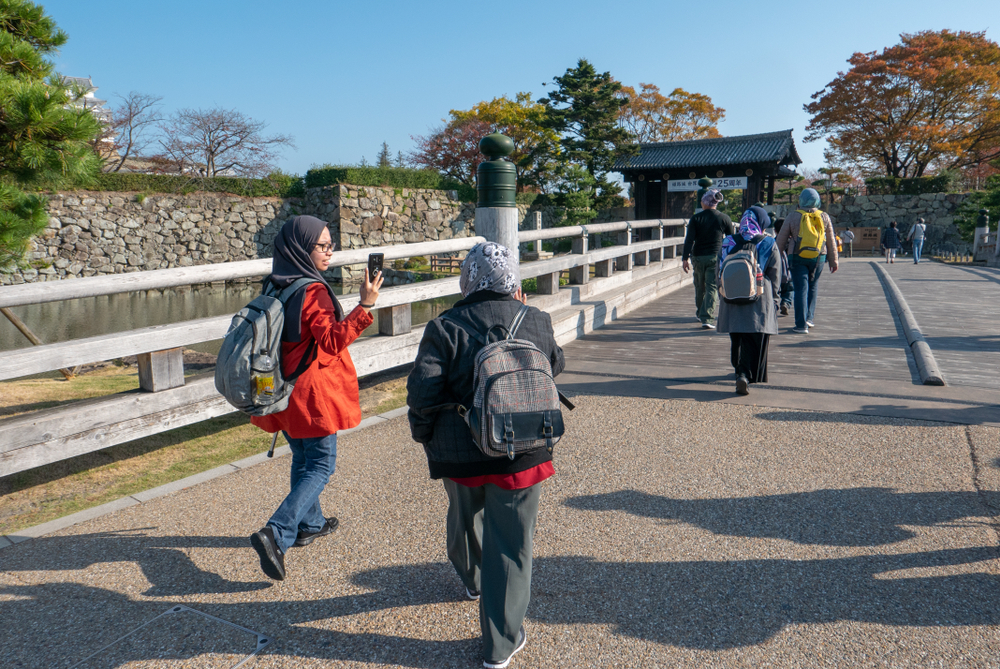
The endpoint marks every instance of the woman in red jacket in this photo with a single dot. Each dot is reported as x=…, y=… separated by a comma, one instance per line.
x=325, y=397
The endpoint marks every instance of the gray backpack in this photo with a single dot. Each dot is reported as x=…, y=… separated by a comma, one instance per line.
x=741, y=280
x=515, y=407
x=248, y=369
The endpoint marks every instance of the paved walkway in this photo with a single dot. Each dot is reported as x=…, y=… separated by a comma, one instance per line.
x=840, y=516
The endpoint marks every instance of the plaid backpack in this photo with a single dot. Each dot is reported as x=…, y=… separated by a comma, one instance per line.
x=515, y=407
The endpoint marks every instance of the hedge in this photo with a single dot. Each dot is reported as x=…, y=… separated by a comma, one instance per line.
x=276, y=185
x=392, y=177
x=940, y=183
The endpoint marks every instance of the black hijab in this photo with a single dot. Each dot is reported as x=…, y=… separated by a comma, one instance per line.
x=291, y=262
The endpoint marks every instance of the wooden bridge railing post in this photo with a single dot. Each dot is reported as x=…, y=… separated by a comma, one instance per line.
x=394, y=321
x=161, y=370
x=656, y=255
x=581, y=274
x=624, y=263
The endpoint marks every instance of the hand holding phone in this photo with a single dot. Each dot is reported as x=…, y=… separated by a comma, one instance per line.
x=375, y=264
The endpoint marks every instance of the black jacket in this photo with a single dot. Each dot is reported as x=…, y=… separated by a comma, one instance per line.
x=705, y=232
x=443, y=374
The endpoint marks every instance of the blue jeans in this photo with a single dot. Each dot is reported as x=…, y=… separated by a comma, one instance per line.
x=805, y=279
x=313, y=462
x=918, y=246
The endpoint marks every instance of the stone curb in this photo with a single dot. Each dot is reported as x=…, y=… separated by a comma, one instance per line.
x=168, y=488
x=930, y=374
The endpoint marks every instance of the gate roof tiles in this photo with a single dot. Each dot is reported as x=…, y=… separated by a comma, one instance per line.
x=771, y=147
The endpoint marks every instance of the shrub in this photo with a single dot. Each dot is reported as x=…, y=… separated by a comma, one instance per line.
x=391, y=177
x=939, y=183
x=277, y=184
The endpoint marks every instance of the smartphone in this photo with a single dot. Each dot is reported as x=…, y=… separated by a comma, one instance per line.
x=375, y=264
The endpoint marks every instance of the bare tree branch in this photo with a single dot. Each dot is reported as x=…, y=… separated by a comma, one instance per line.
x=221, y=142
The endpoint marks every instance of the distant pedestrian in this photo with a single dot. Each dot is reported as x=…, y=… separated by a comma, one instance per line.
x=325, y=398
x=847, y=238
x=492, y=502
x=891, y=242
x=702, y=242
x=750, y=325
x=787, y=291
x=917, y=233
x=807, y=238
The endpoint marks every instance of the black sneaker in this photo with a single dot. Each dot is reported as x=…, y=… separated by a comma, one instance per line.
x=306, y=538
x=502, y=664
x=272, y=562
x=474, y=595
x=742, y=385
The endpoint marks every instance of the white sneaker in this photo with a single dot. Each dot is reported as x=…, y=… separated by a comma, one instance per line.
x=802, y=331
x=810, y=324
x=503, y=663
x=472, y=594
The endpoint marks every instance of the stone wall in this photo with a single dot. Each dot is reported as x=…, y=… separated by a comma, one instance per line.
x=937, y=210
x=111, y=233
x=92, y=233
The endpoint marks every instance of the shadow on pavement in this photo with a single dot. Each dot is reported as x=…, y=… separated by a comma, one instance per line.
x=849, y=517
x=717, y=605
x=163, y=560
x=89, y=618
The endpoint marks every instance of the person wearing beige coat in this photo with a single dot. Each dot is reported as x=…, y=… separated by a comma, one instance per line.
x=806, y=271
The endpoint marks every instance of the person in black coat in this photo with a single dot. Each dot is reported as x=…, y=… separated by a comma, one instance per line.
x=492, y=502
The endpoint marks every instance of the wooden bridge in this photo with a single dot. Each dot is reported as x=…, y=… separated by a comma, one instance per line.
x=844, y=514
x=603, y=283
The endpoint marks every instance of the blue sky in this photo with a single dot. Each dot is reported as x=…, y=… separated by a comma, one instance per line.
x=342, y=77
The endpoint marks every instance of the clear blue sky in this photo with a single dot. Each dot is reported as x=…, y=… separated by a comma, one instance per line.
x=341, y=77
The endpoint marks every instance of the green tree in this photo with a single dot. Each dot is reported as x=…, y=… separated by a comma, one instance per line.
x=535, y=145
x=43, y=138
x=584, y=110
x=384, y=157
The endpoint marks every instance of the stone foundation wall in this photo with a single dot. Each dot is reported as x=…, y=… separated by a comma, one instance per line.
x=111, y=233
x=937, y=210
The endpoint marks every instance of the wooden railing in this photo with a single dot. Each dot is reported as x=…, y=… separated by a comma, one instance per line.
x=166, y=401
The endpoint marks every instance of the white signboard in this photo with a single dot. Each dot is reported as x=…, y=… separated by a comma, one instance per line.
x=722, y=183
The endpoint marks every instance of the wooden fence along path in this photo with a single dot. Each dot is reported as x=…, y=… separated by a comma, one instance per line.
x=625, y=276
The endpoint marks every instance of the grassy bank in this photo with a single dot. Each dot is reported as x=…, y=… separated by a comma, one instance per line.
x=45, y=493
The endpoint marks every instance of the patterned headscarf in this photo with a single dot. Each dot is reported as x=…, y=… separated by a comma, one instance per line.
x=711, y=198
x=809, y=199
x=490, y=266
x=753, y=223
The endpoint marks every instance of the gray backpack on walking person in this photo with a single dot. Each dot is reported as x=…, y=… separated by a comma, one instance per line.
x=248, y=369
x=515, y=407
x=741, y=280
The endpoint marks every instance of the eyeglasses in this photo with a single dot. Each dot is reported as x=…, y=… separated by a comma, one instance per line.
x=323, y=248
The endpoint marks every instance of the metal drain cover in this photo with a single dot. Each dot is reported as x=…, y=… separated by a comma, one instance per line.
x=180, y=637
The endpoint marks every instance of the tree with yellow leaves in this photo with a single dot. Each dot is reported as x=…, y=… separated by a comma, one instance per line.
x=651, y=116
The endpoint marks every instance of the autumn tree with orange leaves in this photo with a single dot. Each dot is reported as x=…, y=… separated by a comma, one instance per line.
x=929, y=103
x=651, y=116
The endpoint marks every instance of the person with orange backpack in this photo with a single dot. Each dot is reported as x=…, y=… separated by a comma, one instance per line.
x=807, y=236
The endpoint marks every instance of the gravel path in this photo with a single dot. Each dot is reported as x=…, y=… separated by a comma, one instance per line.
x=675, y=534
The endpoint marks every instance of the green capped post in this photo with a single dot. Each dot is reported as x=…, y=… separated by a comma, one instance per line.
x=496, y=178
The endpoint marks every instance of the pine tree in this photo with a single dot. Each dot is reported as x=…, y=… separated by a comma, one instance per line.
x=43, y=141
x=584, y=110
x=384, y=159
